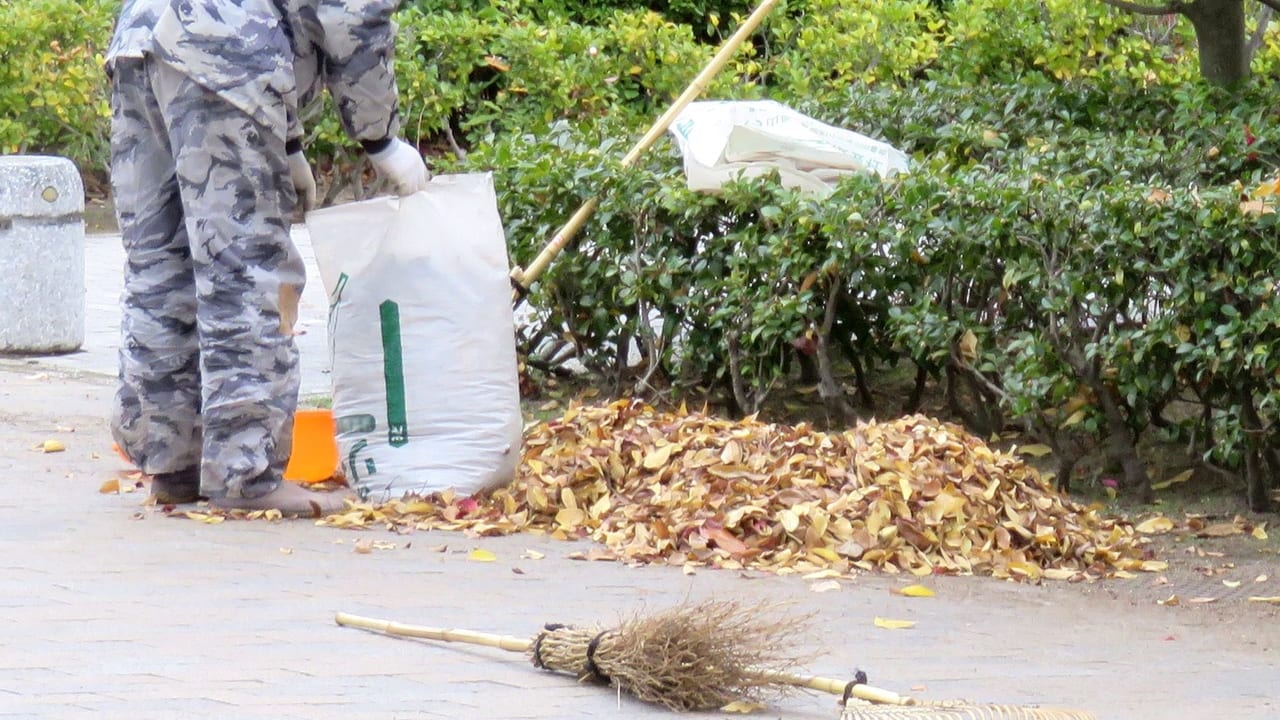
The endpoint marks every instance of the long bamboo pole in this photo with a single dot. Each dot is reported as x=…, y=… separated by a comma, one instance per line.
x=523, y=278
x=512, y=643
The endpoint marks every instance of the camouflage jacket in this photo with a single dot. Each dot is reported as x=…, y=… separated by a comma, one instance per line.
x=255, y=53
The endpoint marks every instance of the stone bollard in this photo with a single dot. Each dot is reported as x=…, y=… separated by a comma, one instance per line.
x=42, y=293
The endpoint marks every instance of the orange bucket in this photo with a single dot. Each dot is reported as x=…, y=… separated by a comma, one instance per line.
x=314, y=457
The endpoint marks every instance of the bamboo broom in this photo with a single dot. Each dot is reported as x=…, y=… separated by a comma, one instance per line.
x=699, y=657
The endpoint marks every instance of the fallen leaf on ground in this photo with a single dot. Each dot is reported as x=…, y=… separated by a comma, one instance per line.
x=1275, y=600
x=1220, y=530
x=917, y=591
x=1231, y=583
x=364, y=546
x=888, y=624
x=825, y=586
x=52, y=446
x=110, y=486
x=1179, y=478
x=1202, y=600
x=1170, y=601
x=206, y=518
x=1260, y=532
x=481, y=555
x=1155, y=525
x=744, y=707
x=532, y=555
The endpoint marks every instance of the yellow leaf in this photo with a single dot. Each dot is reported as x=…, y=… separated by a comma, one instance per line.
x=205, y=518
x=1181, y=477
x=533, y=555
x=110, y=486
x=1256, y=207
x=1154, y=566
x=496, y=63
x=1231, y=583
x=1155, y=525
x=52, y=446
x=1061, y=573
x=1074, y=419
x=742, y=706
x=789, y=519
x=481, y=555
x=567, y=499
x=1260, y=532
x=1275, y=600
x=1202, y=600
x=1036, y=450
x=826, y=554
x=1170, y=601
x=968, y=347
x=1030, y=570
x=658, y=457
x=570, y=518
x=894, y=624
x=917, y=591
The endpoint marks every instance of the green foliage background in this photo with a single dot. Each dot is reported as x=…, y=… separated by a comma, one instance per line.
x=1068, y=255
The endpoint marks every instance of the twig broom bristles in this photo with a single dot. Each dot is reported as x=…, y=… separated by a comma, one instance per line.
x=698, y=657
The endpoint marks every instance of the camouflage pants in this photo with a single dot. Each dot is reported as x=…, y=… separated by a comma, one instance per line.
x=208, y=366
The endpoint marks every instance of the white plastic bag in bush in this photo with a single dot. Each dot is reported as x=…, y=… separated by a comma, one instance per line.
x=723, y=140
x=421, y=338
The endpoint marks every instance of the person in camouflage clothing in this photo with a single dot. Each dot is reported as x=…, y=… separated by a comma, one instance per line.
x=207, y=169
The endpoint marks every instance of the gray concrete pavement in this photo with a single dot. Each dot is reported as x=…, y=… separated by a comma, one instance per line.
x=109, y=609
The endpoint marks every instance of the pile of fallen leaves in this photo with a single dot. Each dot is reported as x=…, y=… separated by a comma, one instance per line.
x=914, y=495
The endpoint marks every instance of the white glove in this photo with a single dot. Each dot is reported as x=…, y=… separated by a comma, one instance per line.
x=303, y=181
x=401, y=164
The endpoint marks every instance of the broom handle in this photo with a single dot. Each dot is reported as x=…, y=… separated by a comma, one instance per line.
x=836, y=687
x=519, y=644
x=524, y=278
x=502, y=642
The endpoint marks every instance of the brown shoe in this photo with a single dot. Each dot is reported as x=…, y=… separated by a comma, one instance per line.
x=176, y=488
x=290, y=499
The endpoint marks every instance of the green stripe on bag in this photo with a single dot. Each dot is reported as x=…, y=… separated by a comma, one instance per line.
x=393, y=374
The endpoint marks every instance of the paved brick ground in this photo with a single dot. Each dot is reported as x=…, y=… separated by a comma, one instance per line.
x=108, y=610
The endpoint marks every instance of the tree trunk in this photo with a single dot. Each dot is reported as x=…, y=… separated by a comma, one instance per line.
x=1124, y=444
x=1221, y=40
x=1256, y=463
x=838, y=411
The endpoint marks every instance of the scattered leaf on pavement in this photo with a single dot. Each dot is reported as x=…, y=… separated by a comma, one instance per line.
x=918, y=591
x=888, y=624
x=744, y=707
x=481, y=555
